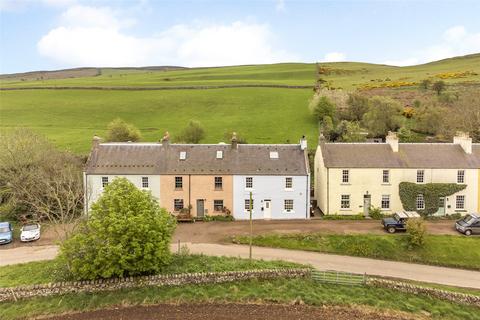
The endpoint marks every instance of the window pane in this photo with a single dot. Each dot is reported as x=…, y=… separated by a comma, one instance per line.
x=386, y=176
x=420, y=202
x=144, y=182
x=345, y=201
x=420, y=176
x=460, y=202
x=461, y=176
x=247, y=204
x=288, y=205
x=178, y=204
x=288, y=183
x=385, y=201
x=178, y=182
x=345, y=176
x=218, y=182
x=104, y=181
x=218, y=205
x=249, y=182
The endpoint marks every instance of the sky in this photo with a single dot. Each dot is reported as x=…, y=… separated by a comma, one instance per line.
x=56, y=34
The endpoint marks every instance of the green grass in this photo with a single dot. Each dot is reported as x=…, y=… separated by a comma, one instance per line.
x=70, y=118
x=442, y=250
x=276, y=291
x=44, y=271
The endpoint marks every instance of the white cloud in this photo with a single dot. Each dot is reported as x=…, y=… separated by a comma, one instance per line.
x=334, y=57
x=280, y=6
x=456, y=41
x=90, y=36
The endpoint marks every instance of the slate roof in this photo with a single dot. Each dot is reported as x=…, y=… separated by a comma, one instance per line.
x=155, y=158
x=409, y=155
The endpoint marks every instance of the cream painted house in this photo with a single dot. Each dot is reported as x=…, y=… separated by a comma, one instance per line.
x=351, y=177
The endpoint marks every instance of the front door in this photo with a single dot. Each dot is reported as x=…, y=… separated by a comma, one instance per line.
x=367, y=202
x=200, y=208
x=441, y=206
x=267, y=209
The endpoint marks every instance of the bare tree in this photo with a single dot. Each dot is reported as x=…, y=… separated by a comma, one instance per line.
x=46, y=184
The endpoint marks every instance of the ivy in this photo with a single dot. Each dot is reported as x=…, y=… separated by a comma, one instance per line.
x=431, y=192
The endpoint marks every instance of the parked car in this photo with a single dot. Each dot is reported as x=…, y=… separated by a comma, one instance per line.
x=398, y=221
x=6, y=232
x=469, y=225
x=30, y=232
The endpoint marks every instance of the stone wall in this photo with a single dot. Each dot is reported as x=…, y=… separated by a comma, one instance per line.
x=43, y=290
x=456, y=297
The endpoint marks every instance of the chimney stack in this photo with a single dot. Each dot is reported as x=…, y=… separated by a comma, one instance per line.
x=303, y=143
x=234, y=141
x=96, y=141
x=392, y=140
x=464, y=140
x=166, y=139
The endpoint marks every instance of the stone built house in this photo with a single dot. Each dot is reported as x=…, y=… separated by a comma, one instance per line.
x=208, y=179
x=351, y=177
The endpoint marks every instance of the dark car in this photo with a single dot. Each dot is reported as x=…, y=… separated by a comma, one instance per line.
x=469, y=225
x=398, y=221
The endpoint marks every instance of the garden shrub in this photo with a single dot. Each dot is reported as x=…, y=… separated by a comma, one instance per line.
x=375, y=213
x=126, y=234
x=416, y=231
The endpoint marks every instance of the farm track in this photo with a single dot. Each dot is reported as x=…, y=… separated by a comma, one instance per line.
x=232, y=311
x=279, y=86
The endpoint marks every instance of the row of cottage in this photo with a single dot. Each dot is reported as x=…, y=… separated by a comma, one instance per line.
x=348, y=178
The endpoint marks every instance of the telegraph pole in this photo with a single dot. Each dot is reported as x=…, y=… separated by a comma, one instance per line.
x=251, y=225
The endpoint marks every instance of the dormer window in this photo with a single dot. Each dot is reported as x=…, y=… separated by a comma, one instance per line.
x=219, y=154
x=183, y=155
x=273, y=155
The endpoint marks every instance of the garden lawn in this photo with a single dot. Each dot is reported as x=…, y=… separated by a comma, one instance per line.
x=442, y=250
x=275, y=291
x=70, y=118
x=45, y=271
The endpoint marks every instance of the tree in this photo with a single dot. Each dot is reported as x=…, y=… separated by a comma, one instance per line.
x=322, y=107
x=120, y=131
x=438, y=87
x=127, y=234
x=357, y=106
x=192, y=133
x=38, y=182
x=425, y=84
x=429, y=119
x=327, y=128
x=463, y=115
x=416, y=231
x=406, y=135
x=384, y=115
x=350, y=132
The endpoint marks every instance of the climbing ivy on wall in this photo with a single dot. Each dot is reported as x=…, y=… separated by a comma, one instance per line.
x=431, y=192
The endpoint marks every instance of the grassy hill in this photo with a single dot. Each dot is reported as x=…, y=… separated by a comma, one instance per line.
x=70, y=117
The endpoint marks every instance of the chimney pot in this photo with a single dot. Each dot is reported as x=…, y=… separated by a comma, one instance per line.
x=303, y=143
x=464, y=140
x=392, y=140
x=234, y=140
x=96, y=141
x=166, y=139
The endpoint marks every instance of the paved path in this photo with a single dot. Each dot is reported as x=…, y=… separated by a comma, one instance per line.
x=418, y=272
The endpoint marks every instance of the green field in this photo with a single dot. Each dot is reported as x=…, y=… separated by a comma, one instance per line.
x=439, y=250
x=262, y=115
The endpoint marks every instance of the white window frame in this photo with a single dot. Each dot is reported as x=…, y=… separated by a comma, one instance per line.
x=386, y=176
x=145, y=183
x=345, y=203
x=461, y=176
x=420, y=202
x=421, y=176
x=105, y=182
x=288, y=183
x=345, y=176
x=247, y=205
x=460, y=202
x=183, y=155
x=385, y=203
x=180, y=202
x=219, y=154
x=178, y=180
x=218, y=183
x=288, y=205
x=215, y=205
x=273, y=154
x=249, y=183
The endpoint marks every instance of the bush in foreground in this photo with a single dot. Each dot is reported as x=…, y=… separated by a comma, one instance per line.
x=416, y=231
x=126, y=234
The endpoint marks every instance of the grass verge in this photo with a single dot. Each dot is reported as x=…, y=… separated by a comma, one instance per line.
x=442, y=250
x=275, y=291
x=44, y=271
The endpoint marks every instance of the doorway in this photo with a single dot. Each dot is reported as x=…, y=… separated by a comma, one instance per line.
x=200, y=208
x=267, y=209
x=441, y=206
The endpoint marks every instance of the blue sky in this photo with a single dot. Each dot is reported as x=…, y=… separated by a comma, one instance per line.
x=53, y=34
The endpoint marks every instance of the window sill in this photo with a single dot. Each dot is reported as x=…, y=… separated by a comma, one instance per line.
x=460, y=210
x=178, y=189
x=288, y=211
x=218, y=189
x=248, y=212
x=249, y=189
x=386, y=184
x=345, y=184
x=288, y=189
x=346, y=209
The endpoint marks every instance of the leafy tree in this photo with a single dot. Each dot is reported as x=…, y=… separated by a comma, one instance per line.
x=120, y=131
x=384, y=115
x=192, y=133
x=429, y=119
x=439, y=87
x=350, y=132
x=322, y=107
x=416, y=231
x=327, y=128
x=127, y=234
x=357, y=106
x=406, y=135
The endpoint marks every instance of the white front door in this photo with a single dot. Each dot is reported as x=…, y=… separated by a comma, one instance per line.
x=267, y=209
